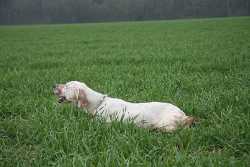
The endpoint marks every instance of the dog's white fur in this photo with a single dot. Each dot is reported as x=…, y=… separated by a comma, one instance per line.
x=154, y=115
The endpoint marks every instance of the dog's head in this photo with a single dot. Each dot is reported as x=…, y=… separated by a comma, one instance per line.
x=71, y=92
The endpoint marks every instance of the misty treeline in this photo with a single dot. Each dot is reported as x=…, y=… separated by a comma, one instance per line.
x=70, y=11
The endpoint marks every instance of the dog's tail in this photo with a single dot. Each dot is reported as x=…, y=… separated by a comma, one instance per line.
x=190, y=121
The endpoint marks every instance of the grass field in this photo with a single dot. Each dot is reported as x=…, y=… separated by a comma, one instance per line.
x=202, y=66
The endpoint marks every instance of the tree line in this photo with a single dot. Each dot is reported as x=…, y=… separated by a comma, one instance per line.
x=72, y=11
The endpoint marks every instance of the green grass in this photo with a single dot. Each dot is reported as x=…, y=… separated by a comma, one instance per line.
x=202, y=66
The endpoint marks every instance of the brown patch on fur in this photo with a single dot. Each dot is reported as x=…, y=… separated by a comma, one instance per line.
x=82, y=98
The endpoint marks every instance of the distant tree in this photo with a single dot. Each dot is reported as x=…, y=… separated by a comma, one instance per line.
x=248, y=6
x=228, y=7
x=48, y=11
x=5, y=11
x=98, y=1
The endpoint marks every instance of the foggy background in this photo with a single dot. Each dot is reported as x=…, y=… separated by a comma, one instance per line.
x=73, y=11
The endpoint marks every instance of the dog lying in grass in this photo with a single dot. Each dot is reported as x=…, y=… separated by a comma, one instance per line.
x=154, y=115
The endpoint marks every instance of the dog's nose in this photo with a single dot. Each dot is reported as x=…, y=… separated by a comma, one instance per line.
x=61, y=99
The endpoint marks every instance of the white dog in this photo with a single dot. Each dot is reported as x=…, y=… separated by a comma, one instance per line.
x=153, y=115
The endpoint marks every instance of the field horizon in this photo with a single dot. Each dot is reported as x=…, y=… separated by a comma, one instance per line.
x=200, y=65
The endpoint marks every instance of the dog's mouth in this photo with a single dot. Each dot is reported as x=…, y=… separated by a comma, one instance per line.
x=61, y=99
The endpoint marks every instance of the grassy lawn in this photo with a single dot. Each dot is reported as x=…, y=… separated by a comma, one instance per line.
x=202, y=66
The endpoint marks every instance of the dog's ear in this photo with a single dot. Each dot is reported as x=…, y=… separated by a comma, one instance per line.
x=82, y=99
